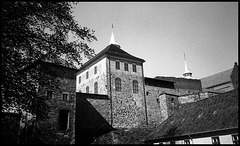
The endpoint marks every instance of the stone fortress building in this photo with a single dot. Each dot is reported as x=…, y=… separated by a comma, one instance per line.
x=134, y=100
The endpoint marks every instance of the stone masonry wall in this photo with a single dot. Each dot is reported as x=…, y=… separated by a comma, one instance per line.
x=56, y=104
x=195, y=97
x=128, y=108
x=153, y=109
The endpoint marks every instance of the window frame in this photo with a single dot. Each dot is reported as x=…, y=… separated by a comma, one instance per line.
x=235, y=141
x=95, y=70
x=215, y=140
x=118, y=85
x=134, y=68
x=51, y=95
x=87, y=75
x=61, y=114
x=117, y=64
x=135, y=86
x=87, y=89
x=65, y=93
x=96, y=88
x=187, y=141
x=79, y=80
x=126, y=66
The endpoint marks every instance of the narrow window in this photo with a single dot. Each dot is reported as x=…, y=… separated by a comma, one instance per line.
x=125, y=66
x=65, y=97
x=186, y=141
x=87, y=89
x=95, y=88
x=172, y=142
x=117, y=65
x=49, y=94
x=118, y=84
x=235, y=139
x=215, y=140
x=135, y=86
x=63, y=119
x=87, y=75
x=134, y=68
x=79, y=79
x=95, y=70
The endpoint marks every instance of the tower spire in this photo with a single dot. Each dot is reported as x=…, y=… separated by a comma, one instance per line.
x=187, y=73
x=112, y=39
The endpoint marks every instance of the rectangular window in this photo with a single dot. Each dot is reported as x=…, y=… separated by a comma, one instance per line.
x=117, y=65
x=65, y=97
x=134, y=68
x=235, y=139
x=215, y=140
x=186, y=141
x=49, y=94
x=125, y=66
x=95, y=70
x=79, y=79
x=87, y=75
x=63, y=119
x=172, y=142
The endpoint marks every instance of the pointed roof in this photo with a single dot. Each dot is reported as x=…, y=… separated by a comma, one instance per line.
x=112, y=39
x=187, y=73
x=114, y=51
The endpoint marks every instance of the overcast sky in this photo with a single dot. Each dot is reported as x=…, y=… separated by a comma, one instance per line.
x=159, y=33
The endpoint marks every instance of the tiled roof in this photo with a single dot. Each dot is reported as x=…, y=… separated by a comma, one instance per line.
x=216, y=79
x=182, y=83
x=215, y=113
x=112, y=50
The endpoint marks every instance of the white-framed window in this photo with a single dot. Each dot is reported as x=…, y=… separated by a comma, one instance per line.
x=117, y=65
x=118, y=84
x=186, y=141
x=95, y=88
x=235, y=139
x=125, y=66
x=134, y=68
x=215, y=140
x=135, y=86
x=79, y=79
x=65, y=96
x=95, y=70
x=87, y=89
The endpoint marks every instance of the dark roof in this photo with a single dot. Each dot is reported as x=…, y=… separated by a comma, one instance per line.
x=92, y=96
x=217, y=79
x=159, y=83
x=215, y=113
x=182, y=83
x=59, y=70
x=113, y=51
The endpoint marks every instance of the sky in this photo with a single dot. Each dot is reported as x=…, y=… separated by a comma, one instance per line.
x=160, y=33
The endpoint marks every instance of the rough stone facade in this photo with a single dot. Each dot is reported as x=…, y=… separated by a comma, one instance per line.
x=67, y=85
x=195, y=97
x=128, y=108
x=152, y=96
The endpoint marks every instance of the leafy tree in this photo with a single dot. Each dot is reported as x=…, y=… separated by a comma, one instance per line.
x=34, y=31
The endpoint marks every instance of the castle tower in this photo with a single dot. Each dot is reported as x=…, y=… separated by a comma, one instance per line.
x=119, y=75
x=187, y=74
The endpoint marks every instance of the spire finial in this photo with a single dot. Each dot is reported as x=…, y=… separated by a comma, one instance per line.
x=187, y=73
x=112, y=39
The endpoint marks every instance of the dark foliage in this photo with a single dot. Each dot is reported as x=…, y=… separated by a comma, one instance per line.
x=33, y=31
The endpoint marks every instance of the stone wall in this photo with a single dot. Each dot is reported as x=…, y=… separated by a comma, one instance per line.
x=128, y=108
x=195, y=97
x=56, y=104
x=152, y=94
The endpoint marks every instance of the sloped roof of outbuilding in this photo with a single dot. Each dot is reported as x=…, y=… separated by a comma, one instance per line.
x=210, y=114
x=216, y=79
